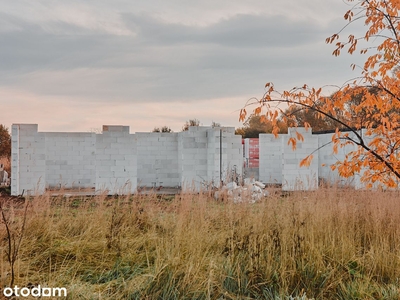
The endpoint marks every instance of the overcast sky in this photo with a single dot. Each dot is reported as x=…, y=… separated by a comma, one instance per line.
x=76, y=65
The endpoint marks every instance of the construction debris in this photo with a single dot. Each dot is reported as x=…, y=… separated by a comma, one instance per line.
x=251, y=191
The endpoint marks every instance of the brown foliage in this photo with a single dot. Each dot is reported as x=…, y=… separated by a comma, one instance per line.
x=255, y=125
x=5, y=141
x=191, y=122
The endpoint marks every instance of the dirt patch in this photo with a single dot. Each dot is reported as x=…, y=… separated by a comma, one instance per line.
x=6, y=199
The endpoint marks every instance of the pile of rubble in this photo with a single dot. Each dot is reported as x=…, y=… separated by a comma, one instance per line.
x=251, y=191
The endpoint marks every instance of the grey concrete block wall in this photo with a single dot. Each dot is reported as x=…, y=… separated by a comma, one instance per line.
x=193, y=158
x=200, y=156
x=28, y=160
x=295, y=177
x=234, y=163
x=270, y=169
x=118, y=161
x=216, y=156
x=56, y=160
x=158, y=159
x=287, y=170
x=224, y=155
x=327, y=158
x=280, y=164
x=70, y=160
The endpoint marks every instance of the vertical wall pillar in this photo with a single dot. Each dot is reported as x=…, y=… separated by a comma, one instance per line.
x=270, y=169
x=28, y=162
x=224, y=155
x=215, y=155
x=116, y=161
x=15, y=160
x=192, y=158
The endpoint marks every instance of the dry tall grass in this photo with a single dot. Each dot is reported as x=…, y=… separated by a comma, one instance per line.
x=328, y=244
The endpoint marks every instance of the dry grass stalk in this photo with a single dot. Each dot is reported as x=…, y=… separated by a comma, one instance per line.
x=325, y=244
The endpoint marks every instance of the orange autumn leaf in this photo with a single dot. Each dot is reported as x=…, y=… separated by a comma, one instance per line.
x=306, y=162
x=299, y=136
x=293, y=142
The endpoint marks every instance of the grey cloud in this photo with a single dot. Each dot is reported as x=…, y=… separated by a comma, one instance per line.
x=260, y=31
x=162, y=62
x=237, y=31
x=59, y=45
x=28, y=51
x=54, y=45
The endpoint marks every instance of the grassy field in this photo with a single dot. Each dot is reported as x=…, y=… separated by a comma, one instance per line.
x=327, y=244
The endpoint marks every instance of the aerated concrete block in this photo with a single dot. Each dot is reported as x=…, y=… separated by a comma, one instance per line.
x=295, y=177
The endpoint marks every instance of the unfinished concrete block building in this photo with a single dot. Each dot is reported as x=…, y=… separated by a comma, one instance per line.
x=118, y=162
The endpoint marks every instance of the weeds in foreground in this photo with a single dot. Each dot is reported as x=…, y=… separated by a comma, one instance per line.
x=14, y=234
x=327, y=244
